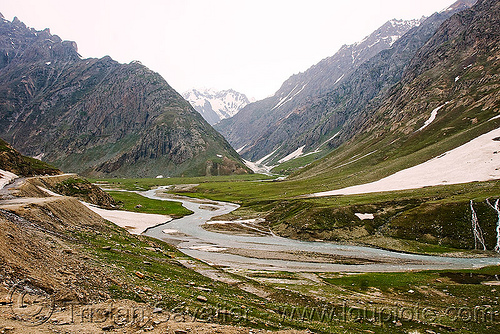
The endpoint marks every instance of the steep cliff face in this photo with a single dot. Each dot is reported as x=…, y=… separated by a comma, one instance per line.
x=99, y=117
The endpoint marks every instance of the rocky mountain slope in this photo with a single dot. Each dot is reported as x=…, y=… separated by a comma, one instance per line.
x=253, y=122
x=448, y=96
x=215, y=105
x=99, y=117
x=321, y=122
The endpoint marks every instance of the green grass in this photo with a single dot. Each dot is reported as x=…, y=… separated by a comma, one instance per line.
x=149, y=183
x=137, y=203
x=178, y=287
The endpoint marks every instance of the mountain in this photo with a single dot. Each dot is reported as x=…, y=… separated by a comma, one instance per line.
x=295, y=131
x=216, y=105
x=447, y=97
x=97, y=116
x=253, y=122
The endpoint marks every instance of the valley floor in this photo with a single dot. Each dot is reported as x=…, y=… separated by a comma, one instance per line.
x=179, y=293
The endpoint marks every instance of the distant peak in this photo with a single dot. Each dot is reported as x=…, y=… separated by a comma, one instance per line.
x=215, y=105
x=405, y=23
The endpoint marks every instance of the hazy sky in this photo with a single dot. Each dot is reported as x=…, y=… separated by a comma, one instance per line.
x=249, y=45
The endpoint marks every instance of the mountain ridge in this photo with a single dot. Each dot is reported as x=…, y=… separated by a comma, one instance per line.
x=324, y=120
x=447, y=97
x=99, y=117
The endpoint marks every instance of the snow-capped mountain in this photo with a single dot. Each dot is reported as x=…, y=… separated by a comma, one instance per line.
x=216, y=105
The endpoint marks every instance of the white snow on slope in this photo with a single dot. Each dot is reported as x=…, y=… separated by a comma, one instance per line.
x=241, y=149
x=133, y=222
x=339, y=79
x=257, y=168
x=295, y=154
x=261, y=160
x=495, y=117
x=477, y=160
x=6, y=178
x=364, y=216
x=328, y=140
x=432, y=117
x=214, y=103
x=281, y=101
x=288, y=97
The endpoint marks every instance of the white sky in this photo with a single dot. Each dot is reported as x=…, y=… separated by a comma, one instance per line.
x=251, y=46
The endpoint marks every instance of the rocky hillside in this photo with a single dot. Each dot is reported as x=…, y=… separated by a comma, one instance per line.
x=448, y=95
x=255, y=122
x=215, y=105
x=99, y=117
x=14, y=162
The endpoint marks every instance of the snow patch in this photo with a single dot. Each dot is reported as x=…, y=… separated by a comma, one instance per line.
x=288, y=97
x=241, y=149
x=133, y=222
x=208, y=248
x=364, y=216
x=261, y=160
x=238, y=221
x=327, y=141
x=295, y=154
x=336, y=82
x=495, y=117
x=224, y=103
x=258, y=168
x=169, y=231
x=6, y=178
x=432, y=117
x=476, y=160
x=49, y=192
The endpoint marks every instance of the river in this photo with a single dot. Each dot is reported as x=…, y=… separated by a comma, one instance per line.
x=192, y=239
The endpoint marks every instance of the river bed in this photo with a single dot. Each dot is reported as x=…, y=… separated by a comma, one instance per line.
x=262, y=252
